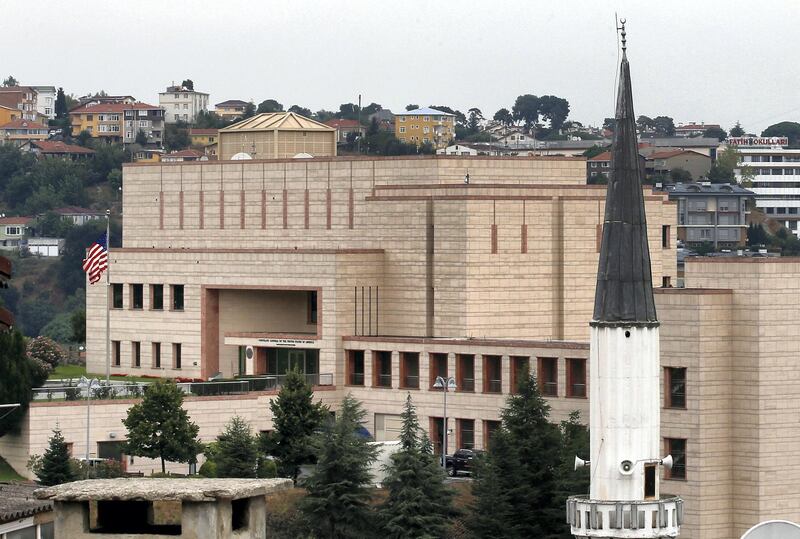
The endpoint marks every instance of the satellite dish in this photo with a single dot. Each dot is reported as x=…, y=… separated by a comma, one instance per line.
x=303, y=155
x=241, y=156
x=773, y=529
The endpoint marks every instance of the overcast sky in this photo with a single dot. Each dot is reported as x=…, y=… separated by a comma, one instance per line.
x=711, y=61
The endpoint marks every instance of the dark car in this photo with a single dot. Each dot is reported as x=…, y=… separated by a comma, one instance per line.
x=461, y=461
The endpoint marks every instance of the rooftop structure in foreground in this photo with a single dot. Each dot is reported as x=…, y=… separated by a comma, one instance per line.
x=276, y=135
x=190, y=508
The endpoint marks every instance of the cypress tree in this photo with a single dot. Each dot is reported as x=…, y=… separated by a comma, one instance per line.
x=296, y=417
x=337, y=505
x=55, y=466
x=236, y=450
x=419, y=503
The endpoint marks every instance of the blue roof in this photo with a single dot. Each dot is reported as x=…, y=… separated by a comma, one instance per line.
x=425, y=111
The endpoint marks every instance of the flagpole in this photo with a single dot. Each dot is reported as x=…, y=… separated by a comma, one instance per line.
x=108, y=306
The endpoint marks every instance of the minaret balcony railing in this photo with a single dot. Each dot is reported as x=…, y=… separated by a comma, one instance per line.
x=634, y=519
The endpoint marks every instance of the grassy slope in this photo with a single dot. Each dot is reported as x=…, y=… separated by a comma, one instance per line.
x=7, y=473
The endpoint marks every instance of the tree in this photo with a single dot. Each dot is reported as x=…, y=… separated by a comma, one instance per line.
x=55, y=467
x=664, y=126
x=159, y=427
x=724, y=169
x=610, y=124
x=141, y=138
x=302, y=111
x=503, y=116
x=176, y=136
x=236, y=450
x=594, y=151
x=323, y=115
x=269, y=105
x=756, y=235
x=295, y=417
x=18, y=374
x=371, y=109
x=61, y=109
x=188, y=84
x=475, y=119
x=419, y=503
x=78, y=322
x=644, y=124
x=791, y=130
x=46, y=350
x=411, y=107
x=83, y=138
x=569, y=481
x=249, y=110
x=490, y=514
x=337, y=504
x=524, y=467
x=715, y=132
x=554, y=109
x=736, y=130
x=10, y=81
x=348, y=111
x=526, y=110
x=679, y=174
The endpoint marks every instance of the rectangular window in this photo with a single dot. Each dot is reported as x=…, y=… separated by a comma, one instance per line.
x=177, y=297
x=402, y=129
x=156, y=355
x=381, y=369
x=116, y=296
x=116, y=348
x=438, y=367
x=489, y=428
x=312, y=307
x=520, y=371
x=666, y=281
x=576, y=378
x=136, y=353
x=157, y=297
x=492, y=374
x=465, y=433
x=137, y=296
x=465, y=372
x=409, y=370
x=176, y=355
x=677, y=448
x=675, y=387
x=665, y=236
x=547, y=376
x=355, y=367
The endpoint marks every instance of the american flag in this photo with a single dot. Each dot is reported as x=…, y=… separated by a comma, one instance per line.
x=96, y=261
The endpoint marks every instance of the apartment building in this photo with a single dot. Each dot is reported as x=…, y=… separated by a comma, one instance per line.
x=119, y=121
x=230, y=109
x=182, y=104
x=22, y=98
x=664, y=162
x=203, y=137
x=774, y=170
x=425, y=126
x=46, y=101
x=711, y=212
x=14, y=230
x=19, y=132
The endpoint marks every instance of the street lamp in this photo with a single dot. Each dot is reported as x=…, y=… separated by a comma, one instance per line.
x=445, y=384
x=85, y=382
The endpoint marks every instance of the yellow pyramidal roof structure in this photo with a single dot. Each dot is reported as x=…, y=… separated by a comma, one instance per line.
x=286, y=121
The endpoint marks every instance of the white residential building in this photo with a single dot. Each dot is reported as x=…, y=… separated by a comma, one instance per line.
x=46, y=101
x=776, y=177
x=182, y=104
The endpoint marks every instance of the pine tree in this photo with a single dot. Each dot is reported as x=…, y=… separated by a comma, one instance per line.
x=236, y=450
x=569, y=481
x=419, y=503
x=61, y=104
x=492, y=510
x=338, y=498
x=55, y=464
x=295, y=417
x=159, y=427
x=522, y=468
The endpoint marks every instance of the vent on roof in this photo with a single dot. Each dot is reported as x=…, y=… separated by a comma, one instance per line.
x=693, y=187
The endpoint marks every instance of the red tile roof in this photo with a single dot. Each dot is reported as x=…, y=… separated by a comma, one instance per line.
x=22, y=124
x=9, y=101
x=55, y=146
x=90, y=108
x=201, y=131
x=605, y=156
x=15, y=220
x=337, y=122
x=672, y=153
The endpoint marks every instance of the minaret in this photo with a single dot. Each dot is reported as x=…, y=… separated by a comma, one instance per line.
x=624, y=390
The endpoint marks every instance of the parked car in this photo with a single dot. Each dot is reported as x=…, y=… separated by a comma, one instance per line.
x=461, y=461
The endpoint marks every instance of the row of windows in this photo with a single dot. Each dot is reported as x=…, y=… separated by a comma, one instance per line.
x=776, y=171
x=492, y=380
x=782, y=211
x=426, y=118
x=770, y=159
x=136, y=294
x=155, y=354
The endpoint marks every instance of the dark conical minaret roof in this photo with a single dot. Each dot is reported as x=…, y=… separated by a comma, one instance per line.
x=624, y=293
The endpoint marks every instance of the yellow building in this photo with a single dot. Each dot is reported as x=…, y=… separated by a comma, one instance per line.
x=230, y=109
x=8, y=114
x=426, y=125
x=119, y=122
x=200, y=138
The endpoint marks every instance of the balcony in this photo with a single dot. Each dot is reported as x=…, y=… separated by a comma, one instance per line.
x=636, y=519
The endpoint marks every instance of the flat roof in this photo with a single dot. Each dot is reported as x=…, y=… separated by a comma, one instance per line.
x=156, y=489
